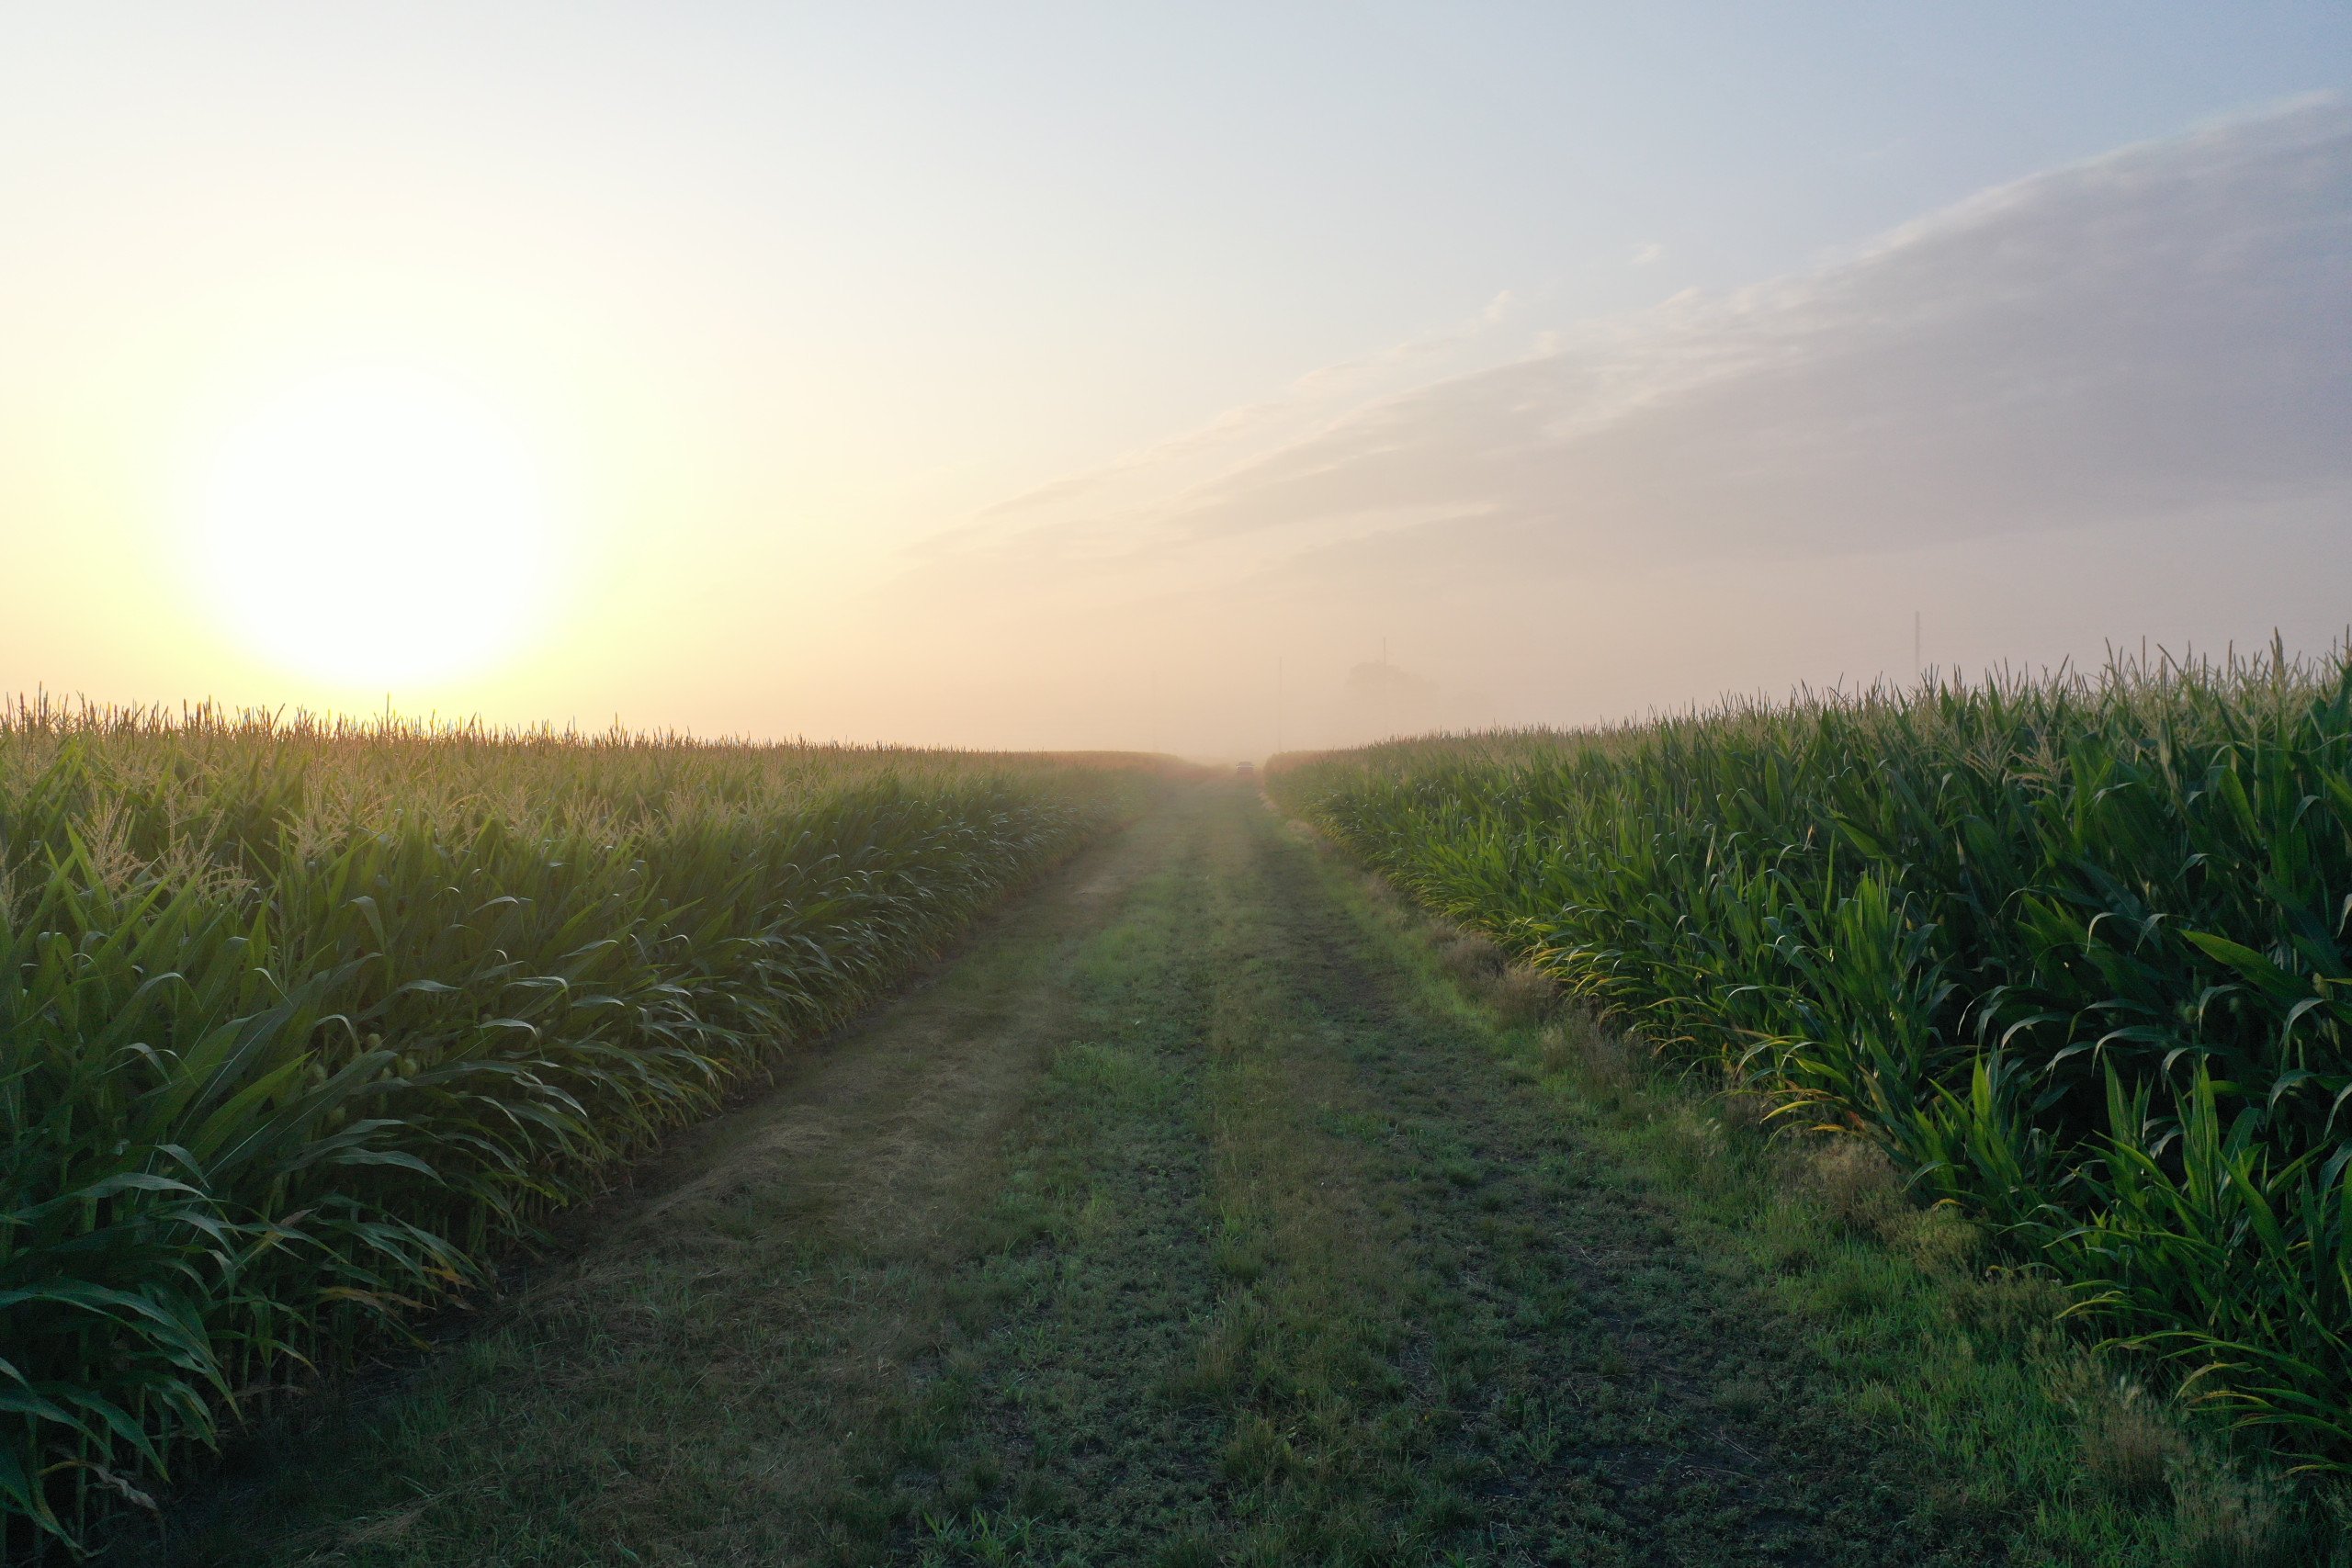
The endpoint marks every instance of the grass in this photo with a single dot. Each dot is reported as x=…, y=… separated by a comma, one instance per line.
x=2028, y=1436
x=1219, y=1207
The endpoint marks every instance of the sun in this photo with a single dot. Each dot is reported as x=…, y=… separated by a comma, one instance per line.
x=373, y=527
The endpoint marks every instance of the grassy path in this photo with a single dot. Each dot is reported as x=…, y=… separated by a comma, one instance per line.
x=1178, y=1222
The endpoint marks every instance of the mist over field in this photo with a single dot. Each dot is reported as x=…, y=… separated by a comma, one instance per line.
x=2107, y=401
x=974, y=386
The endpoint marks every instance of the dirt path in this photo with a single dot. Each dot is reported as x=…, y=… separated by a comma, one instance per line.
x=1175, y=1224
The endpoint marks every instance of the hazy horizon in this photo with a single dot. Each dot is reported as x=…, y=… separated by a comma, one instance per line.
x=1063, y=379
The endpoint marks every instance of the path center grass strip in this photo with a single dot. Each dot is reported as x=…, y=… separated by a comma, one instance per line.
x=303, y=1024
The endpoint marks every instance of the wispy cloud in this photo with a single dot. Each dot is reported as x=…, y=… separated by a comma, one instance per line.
x=1130, y=502
x=2148, y=353
x=2158, y=330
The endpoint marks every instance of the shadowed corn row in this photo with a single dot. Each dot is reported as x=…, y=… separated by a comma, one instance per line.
x=2071, y=949
x=298, y=1023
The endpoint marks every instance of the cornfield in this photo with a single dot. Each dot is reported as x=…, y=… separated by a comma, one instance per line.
x=2071, y=949
x=301, y=1023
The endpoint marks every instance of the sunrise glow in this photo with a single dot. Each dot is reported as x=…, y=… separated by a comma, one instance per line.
x=372, y=526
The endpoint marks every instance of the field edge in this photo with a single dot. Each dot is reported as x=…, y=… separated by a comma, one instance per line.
x=1935, y=1338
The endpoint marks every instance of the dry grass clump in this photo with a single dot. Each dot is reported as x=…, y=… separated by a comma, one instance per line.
x=1577, y=1042
x=1858, y=1187
x=1472, y=957
x=2229, y=1521
x=1744, y=1112
x=1523, y=993
x=1519, y=992
x=2012, y=1304
x=1940, y=1240
x=1855, y=1184
x=2136, y=1451
x=2129, y=1449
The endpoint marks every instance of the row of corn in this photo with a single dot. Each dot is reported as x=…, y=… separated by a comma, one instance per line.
x=301, y=1023
x=2073, y=950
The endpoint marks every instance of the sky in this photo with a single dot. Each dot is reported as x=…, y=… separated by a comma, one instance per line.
x=1207, y=378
